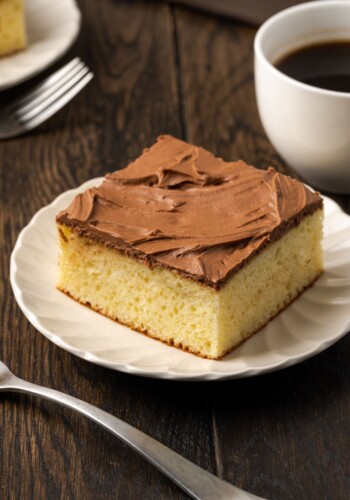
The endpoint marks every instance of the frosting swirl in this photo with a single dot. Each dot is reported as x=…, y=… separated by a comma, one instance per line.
x=180, y=207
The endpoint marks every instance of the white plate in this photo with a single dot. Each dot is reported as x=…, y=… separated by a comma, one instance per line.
x=308, y=326
x=52, y=27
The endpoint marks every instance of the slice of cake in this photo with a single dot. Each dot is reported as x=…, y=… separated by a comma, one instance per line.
x=12, y=27
x=189, y=249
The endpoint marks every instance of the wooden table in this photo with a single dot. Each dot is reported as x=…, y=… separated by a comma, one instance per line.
x=284, y=435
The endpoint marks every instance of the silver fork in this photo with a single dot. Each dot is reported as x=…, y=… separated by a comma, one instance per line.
x=195, y=481
x=37, y=105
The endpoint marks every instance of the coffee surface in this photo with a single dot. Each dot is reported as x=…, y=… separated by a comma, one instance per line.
x=325, y=65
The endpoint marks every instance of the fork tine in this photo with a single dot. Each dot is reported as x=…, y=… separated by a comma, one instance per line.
x=57, y=105
x=31, y=111
x=43, y=93
x=50, y=80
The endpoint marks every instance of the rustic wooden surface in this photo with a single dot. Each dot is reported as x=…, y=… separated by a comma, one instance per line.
x=285, y=435
x=253, y=12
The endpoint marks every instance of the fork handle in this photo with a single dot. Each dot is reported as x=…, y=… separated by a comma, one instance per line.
x=195, y=481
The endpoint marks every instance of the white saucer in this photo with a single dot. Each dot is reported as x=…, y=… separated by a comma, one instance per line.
x=52, y=27
x=316, y=320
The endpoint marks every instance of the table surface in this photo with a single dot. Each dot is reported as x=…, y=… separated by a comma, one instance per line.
x=158, y=69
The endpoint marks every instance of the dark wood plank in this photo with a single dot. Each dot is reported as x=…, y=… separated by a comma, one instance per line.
x=216, y=58
x=253, y=12
x=282, y=435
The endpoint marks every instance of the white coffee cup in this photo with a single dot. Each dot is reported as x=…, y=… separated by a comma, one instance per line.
x=308, y=126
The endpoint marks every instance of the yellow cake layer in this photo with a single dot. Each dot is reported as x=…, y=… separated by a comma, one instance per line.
x=12, y=27
x=180, y=311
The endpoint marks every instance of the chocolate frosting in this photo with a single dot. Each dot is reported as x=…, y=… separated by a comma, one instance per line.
x=180, y=207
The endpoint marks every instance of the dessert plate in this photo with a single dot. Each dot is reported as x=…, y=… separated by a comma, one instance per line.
x=52, y=27
x=308, y=326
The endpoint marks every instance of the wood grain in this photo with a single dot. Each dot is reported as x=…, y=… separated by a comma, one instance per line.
x=253, y=12
x=218, y=89
x=158, y=69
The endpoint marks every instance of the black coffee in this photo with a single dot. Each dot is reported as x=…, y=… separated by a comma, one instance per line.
x=323, y=65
